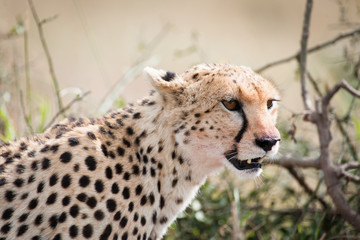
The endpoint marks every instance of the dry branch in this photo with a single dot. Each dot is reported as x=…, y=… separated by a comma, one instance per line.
x=312, y=49
x=39, y=25
x=301, y=180
x=292, y=161
x=321, y=117
x=303, y=55
x=342, y=84
x=67, y=107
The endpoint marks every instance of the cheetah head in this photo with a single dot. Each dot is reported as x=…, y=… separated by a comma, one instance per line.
x=221, y=115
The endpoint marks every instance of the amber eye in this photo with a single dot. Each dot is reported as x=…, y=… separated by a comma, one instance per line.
x=232, y=105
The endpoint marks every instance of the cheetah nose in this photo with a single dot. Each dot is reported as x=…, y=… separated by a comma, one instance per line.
x=266, y=143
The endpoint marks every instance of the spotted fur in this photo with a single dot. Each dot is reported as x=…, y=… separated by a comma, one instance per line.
x=128, y=174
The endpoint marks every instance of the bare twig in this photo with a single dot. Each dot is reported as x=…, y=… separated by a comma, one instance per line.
x=342, y=84
x=301, y=180
x=236, y=232
x=331, y=172
x=26, y=58
x=314, y=84
x=342, y=171
x=312, y=49
x=94, y=48
x=303, y=55
x=347, y=140
x=39, y=25
x=67, y=107
x=21, y=99
x=143, y=61
x=351, y=177
x=292, y=161
x=350, y=165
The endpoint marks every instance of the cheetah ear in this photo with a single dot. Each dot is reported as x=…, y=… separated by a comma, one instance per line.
x=164, y=81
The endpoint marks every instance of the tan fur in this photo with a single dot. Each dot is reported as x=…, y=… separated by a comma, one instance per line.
x=167, y=143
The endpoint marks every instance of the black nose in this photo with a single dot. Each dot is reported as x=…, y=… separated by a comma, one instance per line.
x=266, y=143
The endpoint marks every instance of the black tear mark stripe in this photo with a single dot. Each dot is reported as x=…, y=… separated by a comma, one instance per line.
x=243, y=128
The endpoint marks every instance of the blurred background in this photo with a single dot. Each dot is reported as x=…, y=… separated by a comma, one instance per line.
x=99, y=48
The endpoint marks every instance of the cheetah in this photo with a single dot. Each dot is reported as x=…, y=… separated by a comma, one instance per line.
x=128, y=174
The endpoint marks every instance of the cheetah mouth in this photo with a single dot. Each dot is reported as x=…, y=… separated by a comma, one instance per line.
x=246, y=164
x=253, y=163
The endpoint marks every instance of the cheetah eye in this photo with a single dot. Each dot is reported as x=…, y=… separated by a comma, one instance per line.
x=232, y=105
x=270, y=103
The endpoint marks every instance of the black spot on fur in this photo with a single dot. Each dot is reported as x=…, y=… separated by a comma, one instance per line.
x=6, y=228
x=33, y=203
x=84, y=181
x=73, y=231
x=120, y=151
x=38, y=220
x=137, y=115
x=87, y=231
x=81, y=197
x=168, y=76
x=19, y=182
x=129, y=131
x=45, y=164
x=40, y=187
x=66, y=201
x=73, y=141
x=51, y=199
x=163, y=220
x=53, y=179
x=115, y=188
x=126, y=143
x=108, y=173
x=162, y=202
x=126, y=193
x=99, y=215
x=22, y=229
x=65, y=157
x=138, y=189
x=74, y=211
x=154, y=217
x=90, y=163
x=91, y=135
x=143, y=200
x=174, y=182
x=91, y=202
x=53, y=221
x=99, y=186
x=123, y=221
x=66, y=181
x=104, y=150
x=62, y=217
x=118, y=168
x=7, y=214
x=106, y=233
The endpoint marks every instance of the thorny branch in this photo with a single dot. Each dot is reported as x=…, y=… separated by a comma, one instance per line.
x=39, y=25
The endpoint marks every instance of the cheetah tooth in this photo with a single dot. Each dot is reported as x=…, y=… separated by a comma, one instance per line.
x=249, y=161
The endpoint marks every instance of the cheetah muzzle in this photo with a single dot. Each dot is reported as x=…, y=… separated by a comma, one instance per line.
x=128, y=174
